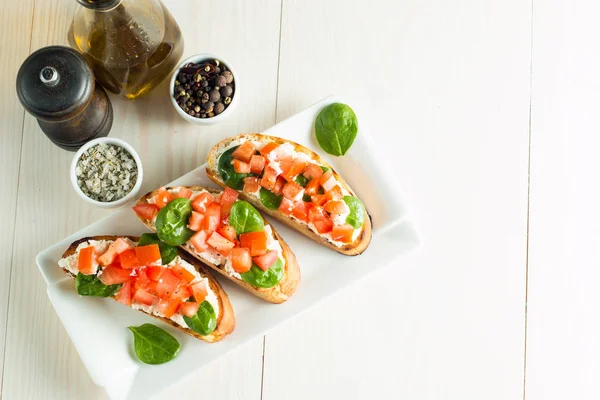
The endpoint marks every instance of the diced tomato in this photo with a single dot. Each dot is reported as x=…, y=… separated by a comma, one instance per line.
x=228, y=198
x=251, y=184
x=324, y=226
x=266, y=261
x=342, y=233
x=189, y=308
x=200, y=290
x=212, y=217
x=317, y=214
x=285, y=161
x=163, y=197
x=125, y=294
x=244, y=152
x=220, y=244
x=146, y=211
x=241, y=261
x=183, y=273
x=114, y=275
x=286, y=206
x=269, y=178
x=128, y=259
x=154, y=273
x=87, y=263
x=312, y=187
x=313, y=171
x=268, y=148
x=319, y=200
x=168, y=283
x=182, y=293
x=328, y=181
x=228, y=232
x=148, y=255
x=167, y=307
x=115, y=248
x=202, y=201
x=241, y=167
x=291, y=190
x=142, y=281
x=279, y=184
x=198, y=241
x=335, y=193
x=195, y=222
x=144, y=297
x=301, y=210
x=296, y=168
x=257, y=164
x=256, y=242
x=185, y=192
x=335, y=207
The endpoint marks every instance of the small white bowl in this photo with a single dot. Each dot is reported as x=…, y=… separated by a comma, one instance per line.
x=217, y=118
x=129, y=196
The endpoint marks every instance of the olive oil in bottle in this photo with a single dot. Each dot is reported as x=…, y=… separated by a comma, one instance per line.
x=132, y=45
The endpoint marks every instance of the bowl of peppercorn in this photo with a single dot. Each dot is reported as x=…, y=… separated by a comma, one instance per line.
x=204, y=89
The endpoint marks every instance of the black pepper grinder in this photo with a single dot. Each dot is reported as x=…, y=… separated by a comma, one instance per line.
x=56, y=85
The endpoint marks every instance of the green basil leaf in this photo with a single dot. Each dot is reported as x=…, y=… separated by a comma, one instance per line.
x=154, y=345
x=244, y=218
x=229, y=176
x=167, y=253
x=264, y=279
x=306, y=198
x=205, y=320
x=90, y=285
x=301, y=180
x=325, y=169
x=356, y=218
x=336, y=128
x=269, y=199
x=171, y=222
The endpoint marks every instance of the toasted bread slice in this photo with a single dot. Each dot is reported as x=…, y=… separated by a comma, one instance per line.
x=352, y=249
x=226, y=317
x=276, y=294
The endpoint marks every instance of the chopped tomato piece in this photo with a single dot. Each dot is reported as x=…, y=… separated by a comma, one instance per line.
x=167, y=307
x=200, y=290
x=312, y=187
x=125, y=294
x=144, y=297
x=244, y=152
x=296, y=168
x=251, y=184
x=268, y=148
x=183, y=273
x=335, y=207
x=285, y=161
x=146, y=211
x=212, y=217
x=342, y=233
x=319, y=200
x=182, y=293
x=129, y=260
x=185, y=192
x=228, y=198
x=220, y=244
x=202, y=201
x=323, y=226
x=148, y=255
x=87, y=263
x=114, y=275
x=198, y=241
x=168, y=283
x=292, y=190
x=195, y=222
x=279, y=184
x=313, y=171
x=154, y=273
x=256, y=242
x=142, y=281
x=189, y=308
x=266, y=261
x=269, y=178
x=228, y=232
x=241, y=261
x=163, y=197
x=286, y=206
x=328, y=181
x=241, y=167
x=257, y=164
x=115, y=248
x=301, y=210
x=317, y=214
x=335, y=193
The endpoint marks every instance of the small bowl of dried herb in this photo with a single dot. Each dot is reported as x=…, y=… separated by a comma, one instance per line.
x=204, y=89
x=107, y=172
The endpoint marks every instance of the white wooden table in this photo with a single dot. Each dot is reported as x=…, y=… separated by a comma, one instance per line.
x=488, y=111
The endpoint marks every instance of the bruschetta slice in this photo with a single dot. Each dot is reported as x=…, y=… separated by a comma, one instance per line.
x=293, y=184
x=156, y=279
x=225, y=233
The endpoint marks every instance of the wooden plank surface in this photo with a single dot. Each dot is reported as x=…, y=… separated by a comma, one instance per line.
x=444, y=89
x=41, y=361
x=563, y=324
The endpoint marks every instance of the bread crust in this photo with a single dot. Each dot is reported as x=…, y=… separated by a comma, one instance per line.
x=352, y=249
x=278, y=293
x=226, y=318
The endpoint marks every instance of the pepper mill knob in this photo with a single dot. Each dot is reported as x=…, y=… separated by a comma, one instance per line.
x=56, y=85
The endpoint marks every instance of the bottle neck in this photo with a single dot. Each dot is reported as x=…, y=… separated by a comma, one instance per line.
x=100, y=5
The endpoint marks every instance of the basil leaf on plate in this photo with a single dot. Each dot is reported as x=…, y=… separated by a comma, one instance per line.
x=90, y=285
x=336, y=128
x=244, y=218
x=167, y=252
x=264, y=279
x=356, y=218
x=225, y=166
x=154, y=345
x=269, y=199
x=205, y=320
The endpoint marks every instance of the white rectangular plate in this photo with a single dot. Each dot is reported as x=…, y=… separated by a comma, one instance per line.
x=98, y=327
